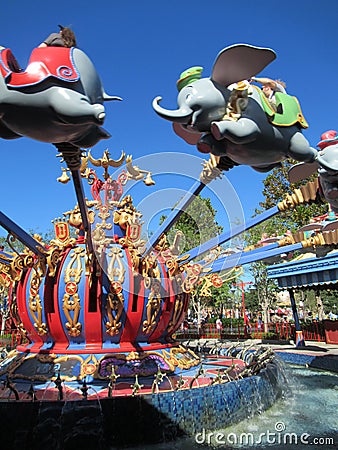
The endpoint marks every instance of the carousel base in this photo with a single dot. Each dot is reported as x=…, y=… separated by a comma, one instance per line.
x=129, y=411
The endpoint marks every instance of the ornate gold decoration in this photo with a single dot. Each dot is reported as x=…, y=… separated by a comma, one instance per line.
x=84, y=170
x=305, y=194
x=314, y=241
x=178, y=309
x=210, y=170
x=89, y=366
x=320, y=238
x=65, y=178
x=106, y=162
x=217, y=280
x=193, y=274
x=9, y=271
x=181, y=357
x=149, y=269
x=132, y=356
x=98, y=233
x=124, y=210
x=34, y=300
x=75, y=219
x=71, y=300
x=62, y=233
x=135, y=173
x=15, y=315
x=153, y=306
x=53, y=258
x=13, y=265
x=116, y=270
x=115, y=305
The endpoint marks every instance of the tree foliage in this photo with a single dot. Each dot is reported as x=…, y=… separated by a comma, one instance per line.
x=276, y=187
x=197, y=223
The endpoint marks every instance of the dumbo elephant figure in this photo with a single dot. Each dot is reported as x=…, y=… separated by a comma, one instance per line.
x=326, y=166
x=227, y=116
x=58, y=98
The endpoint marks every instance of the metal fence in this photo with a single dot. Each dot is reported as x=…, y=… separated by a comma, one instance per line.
x=313, y=331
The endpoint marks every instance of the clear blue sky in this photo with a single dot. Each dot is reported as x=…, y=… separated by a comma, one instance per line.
x=139, y=50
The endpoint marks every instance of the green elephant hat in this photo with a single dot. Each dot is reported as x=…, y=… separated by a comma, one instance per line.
x=188, y=76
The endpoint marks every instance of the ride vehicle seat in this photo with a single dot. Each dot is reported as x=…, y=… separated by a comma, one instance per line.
x=9, y=61
x=44, y=62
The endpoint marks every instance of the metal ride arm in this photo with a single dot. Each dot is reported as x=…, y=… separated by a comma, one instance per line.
x=210, y=172
x=320, y=239
x=305, y=194
x=21, y=235
x=72, y=156
x=174, y=216
x=227, y=235
x=237, y=259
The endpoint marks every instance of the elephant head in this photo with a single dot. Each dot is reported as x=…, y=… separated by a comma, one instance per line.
x=226, y=116
x=326, y=165
x=58, y=98
x=202, y=101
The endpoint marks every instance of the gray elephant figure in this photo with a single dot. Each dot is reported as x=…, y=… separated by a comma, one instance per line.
x=58, y=98
x=230, y=118
x=326, y=166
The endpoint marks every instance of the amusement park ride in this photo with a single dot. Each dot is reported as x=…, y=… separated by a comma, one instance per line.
x=97, y=309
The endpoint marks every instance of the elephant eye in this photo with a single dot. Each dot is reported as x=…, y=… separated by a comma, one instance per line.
x=188, y=97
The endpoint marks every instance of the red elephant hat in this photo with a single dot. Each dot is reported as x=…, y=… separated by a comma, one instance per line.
x=330, y=137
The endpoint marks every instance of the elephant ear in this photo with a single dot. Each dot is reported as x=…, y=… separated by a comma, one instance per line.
x=190, y=137
x=301, y=171
x=240, y=62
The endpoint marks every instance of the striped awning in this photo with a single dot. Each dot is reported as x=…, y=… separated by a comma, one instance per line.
x=311, y=272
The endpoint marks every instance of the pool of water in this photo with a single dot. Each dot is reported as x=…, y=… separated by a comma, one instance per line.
x=305, y=418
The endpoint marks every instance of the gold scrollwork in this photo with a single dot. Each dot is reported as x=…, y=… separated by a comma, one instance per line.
x=153, y=306
x=89, y=366
x=53, y=257
x=115, y=305
x=34, y=300
x=116, y=270
x=181, y=357
x=193, y=273
x=178, y=309
x=71, y=300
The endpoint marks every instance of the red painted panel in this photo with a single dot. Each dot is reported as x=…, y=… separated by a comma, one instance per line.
x=53, y=318
x=167, y=307
x=24, y=314
x=134, y=318
x=92, y=319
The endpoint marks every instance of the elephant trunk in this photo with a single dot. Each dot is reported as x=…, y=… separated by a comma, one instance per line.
x=107, y=97
x=181, y=115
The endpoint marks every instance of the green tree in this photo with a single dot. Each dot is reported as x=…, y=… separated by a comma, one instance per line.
x=276, y=186
x=45, y=236
x=197, y=224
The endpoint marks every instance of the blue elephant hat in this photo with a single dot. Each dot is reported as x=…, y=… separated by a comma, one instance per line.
x=188, y=76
